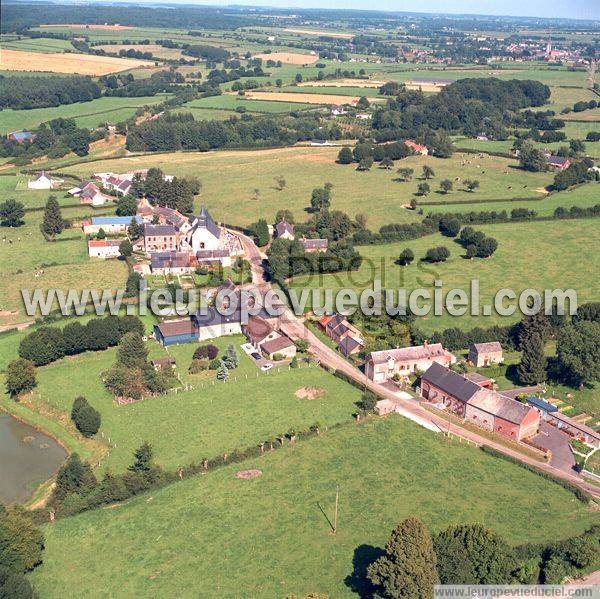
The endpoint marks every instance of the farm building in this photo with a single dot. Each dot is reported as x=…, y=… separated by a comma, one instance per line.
x=103, y=248
x=383, y=365
x=284, y=230
x=573, y=428
x=109, y=224
x=384, y=407
x=259, y=331
x=43, y=181
x=314, y=245
x=557, y=162
x=175, y=332
x=484, y=407
x=545, y=408
x=163, y=363
x=171, y=262
x=485, y=354
x=281, y=345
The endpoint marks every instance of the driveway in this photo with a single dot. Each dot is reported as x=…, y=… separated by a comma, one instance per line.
x=557, y=442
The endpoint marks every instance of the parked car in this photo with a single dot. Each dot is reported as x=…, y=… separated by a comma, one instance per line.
x=255, y=355
x=266, y=367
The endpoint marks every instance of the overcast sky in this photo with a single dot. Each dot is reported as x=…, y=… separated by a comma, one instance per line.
x=576, y=9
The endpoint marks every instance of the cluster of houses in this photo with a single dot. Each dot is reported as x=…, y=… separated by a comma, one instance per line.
x=285, y=230
x=347, y=337
x=261, y=328
x=173, y=243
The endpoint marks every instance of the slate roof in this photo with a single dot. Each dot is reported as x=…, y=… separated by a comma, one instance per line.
x=159, y=230
x=114, y=220
x=450, y=382
x=170, y=259
x=477, y=378
x=557, y=160
x=205, y=221
x=538, y=402
x=334, y=322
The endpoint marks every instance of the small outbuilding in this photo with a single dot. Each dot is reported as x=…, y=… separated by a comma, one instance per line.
x=485, y=354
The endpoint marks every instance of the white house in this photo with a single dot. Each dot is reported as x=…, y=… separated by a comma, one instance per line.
x=43, y=181
x=103, y=248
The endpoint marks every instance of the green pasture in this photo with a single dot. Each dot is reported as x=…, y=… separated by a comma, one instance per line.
x=539, y=255
x=212, y=418
x=229, y=179
x=270, y=536
x=87, y=114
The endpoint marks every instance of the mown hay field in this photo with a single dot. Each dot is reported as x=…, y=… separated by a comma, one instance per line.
x=289, y=57
x=82, y=64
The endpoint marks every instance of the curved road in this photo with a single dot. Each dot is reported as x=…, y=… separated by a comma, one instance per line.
x=294, y=327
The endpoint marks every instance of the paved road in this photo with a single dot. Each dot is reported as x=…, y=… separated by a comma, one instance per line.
x=293, y=326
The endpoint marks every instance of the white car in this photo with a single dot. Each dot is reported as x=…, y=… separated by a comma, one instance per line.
x=266, y=367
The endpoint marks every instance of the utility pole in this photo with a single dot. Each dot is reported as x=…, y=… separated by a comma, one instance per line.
x=335, y=515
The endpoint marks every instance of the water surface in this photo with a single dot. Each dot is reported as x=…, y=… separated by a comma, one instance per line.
x=27, y=458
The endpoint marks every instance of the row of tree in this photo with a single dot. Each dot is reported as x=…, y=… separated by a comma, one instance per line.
x=413, y=560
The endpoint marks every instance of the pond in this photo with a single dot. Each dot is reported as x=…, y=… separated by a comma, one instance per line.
x=27, y=459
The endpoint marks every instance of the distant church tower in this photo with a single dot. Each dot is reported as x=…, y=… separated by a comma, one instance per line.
x=548, y=48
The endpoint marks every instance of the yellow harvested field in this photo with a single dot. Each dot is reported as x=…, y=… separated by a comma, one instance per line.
x=339, y=34
x=302, y=98
x=342, y=83
x=289, y=57
x=425, y=87
x=82, y=64
x=156, y=49
x=104, y=27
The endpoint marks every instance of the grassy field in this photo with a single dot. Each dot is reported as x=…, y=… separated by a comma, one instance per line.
x=231, y=102
x=65, y=264
x=229, y=178
x=87, y=114
x=269, y=537
x=38, y=45
x=211, y=419
x=567, y=249
x=582, y=196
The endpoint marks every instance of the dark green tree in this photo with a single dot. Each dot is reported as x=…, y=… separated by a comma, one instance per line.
x=446, y=185
x=473, y=554
x=532, y=368
x=143, y=459
x=20, y=377
x=52, y=223
x=262, y=232
x=578, y=351
x=125, y=248
x=11, y=214
x=132, y=351
x=406, y=257
x=75, y=476
x=14, y=585
x=345, y=156
x=408, y=567
x=21, y=541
